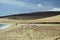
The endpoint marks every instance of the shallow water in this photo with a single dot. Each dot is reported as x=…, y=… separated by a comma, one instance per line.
x=4, y=26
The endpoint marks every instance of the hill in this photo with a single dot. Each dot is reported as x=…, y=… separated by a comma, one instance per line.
x=31, y=16
x=31, y=32
x=36, y=17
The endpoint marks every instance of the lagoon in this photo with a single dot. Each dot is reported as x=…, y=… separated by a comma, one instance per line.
x=4, y=26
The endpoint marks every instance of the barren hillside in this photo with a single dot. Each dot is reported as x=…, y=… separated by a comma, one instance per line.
x=38, y=17
x=32, y=16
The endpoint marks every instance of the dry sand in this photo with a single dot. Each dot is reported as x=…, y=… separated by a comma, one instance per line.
x=48, y=19
x=31, y=32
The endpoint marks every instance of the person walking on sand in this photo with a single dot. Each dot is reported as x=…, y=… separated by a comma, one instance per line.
x=16, y=23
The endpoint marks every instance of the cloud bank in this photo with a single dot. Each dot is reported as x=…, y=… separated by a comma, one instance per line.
x=15, y=6
x=54, y=9
x=25, y=5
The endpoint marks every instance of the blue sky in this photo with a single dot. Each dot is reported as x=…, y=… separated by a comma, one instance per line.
x=9, y=7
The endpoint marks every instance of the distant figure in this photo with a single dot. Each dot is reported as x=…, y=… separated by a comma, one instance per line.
x=16, y=23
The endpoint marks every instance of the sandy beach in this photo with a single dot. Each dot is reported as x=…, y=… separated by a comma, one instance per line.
x=31, y=32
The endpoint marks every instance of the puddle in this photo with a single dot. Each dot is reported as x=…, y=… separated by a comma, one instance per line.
x=4, y=26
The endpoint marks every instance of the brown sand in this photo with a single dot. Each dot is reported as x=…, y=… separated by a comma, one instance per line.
x=20, y=32
x=35, y=32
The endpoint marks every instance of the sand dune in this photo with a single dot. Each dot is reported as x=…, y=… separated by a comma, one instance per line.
x=30, y=33
x=17, y=32
x=48, y=19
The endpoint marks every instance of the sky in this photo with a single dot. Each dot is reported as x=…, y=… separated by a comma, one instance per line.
x=9, y=7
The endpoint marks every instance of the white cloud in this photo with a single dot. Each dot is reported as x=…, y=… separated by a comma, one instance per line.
x=20, y=4
x=38, y=7
x=54, y=9
x=13, y=2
